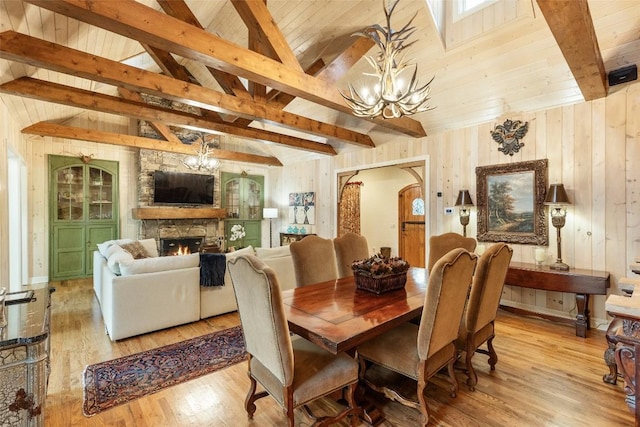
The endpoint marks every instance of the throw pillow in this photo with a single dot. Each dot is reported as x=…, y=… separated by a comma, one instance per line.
x=151, y=246
x=136, y=250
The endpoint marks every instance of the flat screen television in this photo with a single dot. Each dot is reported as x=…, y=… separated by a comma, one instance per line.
x=182, y=188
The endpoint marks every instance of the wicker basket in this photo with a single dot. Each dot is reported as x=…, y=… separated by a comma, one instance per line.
x=379, y=285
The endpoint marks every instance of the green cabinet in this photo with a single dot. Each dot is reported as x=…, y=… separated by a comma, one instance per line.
x=243, y=199
x=83, y=203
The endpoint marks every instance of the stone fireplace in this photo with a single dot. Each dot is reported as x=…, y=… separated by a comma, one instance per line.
x=208, y=231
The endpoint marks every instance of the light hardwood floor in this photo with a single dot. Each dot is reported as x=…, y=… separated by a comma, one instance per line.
x=546, y=376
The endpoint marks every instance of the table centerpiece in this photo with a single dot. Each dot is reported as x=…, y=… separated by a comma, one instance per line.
x=379, y=274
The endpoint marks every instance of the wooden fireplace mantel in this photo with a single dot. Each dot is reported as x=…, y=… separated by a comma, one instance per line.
x=178, y=213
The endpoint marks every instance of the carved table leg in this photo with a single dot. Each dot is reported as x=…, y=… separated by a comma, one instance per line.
x=582, y=319
x=625, y=358
x=614, y=329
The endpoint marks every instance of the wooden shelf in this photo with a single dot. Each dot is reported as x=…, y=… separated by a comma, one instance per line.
x=178, y=213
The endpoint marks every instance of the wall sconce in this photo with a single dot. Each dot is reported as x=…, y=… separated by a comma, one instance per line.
x=465, y=203
x=557, y=199
x=270, y=214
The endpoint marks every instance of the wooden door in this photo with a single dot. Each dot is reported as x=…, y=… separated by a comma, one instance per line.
x=411, y=220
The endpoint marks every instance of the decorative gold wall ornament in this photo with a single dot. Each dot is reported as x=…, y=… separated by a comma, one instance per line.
x=509, y=134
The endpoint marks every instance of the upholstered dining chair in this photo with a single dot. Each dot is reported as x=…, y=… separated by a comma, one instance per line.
x=293, y=372
x=419, y=352
x=314, y=260
x=477, y=326
x=349, y=247
x=443, y=243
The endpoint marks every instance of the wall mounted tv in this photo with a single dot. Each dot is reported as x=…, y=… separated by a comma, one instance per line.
x=182, y=188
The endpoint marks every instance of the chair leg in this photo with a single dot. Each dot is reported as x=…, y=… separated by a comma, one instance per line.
x=452, y=377
x=493, y=356
x=249, y=404
x=424, y=408
x=472, y=377
x=288, y=404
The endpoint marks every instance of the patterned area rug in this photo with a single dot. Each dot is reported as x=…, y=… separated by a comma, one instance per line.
x=118, y=381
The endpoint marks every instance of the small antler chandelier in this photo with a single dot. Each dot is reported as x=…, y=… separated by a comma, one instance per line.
x=201, y=160
x=392, y=96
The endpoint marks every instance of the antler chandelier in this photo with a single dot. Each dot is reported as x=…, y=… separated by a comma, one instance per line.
x=392, y=96
x=201, y=160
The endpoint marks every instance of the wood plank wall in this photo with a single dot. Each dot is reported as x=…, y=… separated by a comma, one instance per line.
x=592, y=147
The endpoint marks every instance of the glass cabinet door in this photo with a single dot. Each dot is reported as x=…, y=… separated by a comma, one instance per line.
x=243, y=197
x=232, y=198
x=253, y=204
x=100, y=185
x=70, y=193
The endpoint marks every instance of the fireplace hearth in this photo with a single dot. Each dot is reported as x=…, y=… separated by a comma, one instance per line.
x=180, y=246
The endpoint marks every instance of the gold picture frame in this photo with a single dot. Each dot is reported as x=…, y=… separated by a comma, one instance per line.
x=511, y=203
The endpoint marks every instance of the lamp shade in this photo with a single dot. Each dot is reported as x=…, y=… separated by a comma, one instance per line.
x=464, y=198
x=556, y=195
x=270, y=213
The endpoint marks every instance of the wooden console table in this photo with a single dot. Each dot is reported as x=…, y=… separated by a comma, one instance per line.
x=581, y=282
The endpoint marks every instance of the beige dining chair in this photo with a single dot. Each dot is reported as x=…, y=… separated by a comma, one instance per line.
x=419, y=352
x=314, y=260
x=293, y=372
x=443, y=243
x=349, y=247
x=477, y=326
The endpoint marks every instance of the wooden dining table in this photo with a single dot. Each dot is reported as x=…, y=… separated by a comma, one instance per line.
x=338, y=317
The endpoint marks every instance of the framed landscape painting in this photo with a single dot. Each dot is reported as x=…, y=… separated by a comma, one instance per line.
x=511, y=203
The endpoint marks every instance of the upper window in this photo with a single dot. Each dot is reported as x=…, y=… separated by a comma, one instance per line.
x=464, y=8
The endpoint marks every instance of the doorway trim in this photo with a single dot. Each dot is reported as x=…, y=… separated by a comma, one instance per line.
x=421, y=160
x=18, y=224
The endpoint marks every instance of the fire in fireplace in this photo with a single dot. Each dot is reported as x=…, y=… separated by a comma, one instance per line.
x=180, y=246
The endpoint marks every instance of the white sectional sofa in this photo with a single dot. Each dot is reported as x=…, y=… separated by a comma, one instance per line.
x=137, y=296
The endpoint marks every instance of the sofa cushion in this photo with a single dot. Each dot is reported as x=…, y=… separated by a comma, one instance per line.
x=151, y=246
x=116, y=255
x=136, y=249
x=165, y=263
x=277, y=252
x=104, y=246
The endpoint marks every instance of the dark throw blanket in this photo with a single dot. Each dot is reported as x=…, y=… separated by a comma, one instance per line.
x=212, y=268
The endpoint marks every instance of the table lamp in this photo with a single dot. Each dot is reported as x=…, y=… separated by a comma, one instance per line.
x=465, y=202
x=270, y=214
x=557, y=199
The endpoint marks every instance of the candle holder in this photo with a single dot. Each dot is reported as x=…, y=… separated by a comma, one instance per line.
x=540, y=255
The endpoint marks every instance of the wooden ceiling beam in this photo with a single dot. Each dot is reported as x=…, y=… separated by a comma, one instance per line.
x=162, y=129
x=80, y=98
x=571, y=24
x=332, y=72
x=258, y=19
x=69, y=132
x=229, y=83
x=22, y=48
x=124, y=18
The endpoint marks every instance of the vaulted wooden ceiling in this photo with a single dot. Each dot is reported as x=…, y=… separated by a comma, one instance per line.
x=266, y=74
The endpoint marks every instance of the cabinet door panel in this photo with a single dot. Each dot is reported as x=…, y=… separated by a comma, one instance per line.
x=97, y=234
x=68, y=252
